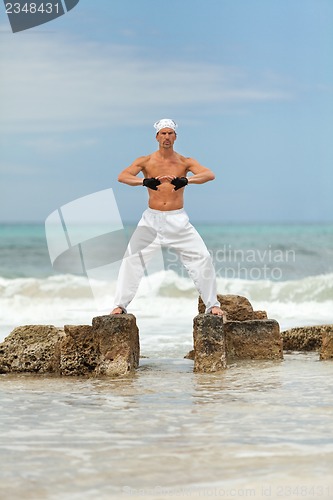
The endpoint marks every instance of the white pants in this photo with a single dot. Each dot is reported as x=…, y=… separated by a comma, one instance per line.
x=172, y=229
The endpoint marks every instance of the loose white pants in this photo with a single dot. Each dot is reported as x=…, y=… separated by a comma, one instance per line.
x=171, y=229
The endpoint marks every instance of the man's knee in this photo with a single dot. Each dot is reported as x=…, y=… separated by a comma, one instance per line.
x=142, y=238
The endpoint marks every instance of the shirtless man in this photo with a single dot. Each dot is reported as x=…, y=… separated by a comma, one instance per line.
x=165, y=222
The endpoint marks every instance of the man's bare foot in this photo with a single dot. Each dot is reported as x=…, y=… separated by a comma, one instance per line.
x=117, y=310
x=217, y=311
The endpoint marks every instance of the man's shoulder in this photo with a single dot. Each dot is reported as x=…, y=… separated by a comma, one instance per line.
x=187, y=160
x=181, y=157
x=142, y=160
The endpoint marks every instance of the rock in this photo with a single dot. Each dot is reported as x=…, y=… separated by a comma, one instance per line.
x=310, y=338
x=326, y=351
x=246, y=334
x=118, y=342
x=209, y=343
x=78, y=351
x=31, y=348
x=236, y=307
x=190, y=355
x=259, y=315
x=109, y=347
x=256, y=339
x=306, y=338
x=216, y=342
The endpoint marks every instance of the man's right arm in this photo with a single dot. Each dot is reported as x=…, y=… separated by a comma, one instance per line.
x=129, y=175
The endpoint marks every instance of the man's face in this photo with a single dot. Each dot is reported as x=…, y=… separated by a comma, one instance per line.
x=166, y=138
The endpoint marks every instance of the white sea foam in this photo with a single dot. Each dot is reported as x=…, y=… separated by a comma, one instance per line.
x=170, y=284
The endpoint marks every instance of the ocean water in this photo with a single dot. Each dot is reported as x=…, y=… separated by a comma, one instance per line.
x=259, y=430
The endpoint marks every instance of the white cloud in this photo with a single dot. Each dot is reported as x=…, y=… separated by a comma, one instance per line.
x=54, y=83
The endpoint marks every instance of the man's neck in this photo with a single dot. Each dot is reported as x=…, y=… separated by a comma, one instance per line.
x=166, y=153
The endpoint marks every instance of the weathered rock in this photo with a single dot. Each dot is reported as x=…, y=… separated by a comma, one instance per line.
x=190, y=355
x=109, y=347
x=326, y=351
x=31, y=348
x=259, y=315
x=209, y=343
x=306, y=338
x=256, y=339
x=78, y=350
x=216, y=342
x=236, y=307
x=118, y=342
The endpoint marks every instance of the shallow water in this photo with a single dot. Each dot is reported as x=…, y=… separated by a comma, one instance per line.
x=261, y=429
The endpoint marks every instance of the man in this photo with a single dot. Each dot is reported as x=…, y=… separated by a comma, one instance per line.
x=165, y=222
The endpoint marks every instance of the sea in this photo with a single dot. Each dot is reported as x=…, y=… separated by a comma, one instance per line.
x=260, y=429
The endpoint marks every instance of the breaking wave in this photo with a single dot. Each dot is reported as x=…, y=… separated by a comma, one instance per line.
x=169, y=284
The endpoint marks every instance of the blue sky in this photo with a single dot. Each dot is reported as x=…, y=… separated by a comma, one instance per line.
x=250, y=83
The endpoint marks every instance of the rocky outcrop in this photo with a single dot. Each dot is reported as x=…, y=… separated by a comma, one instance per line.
x=216, y=343
x=118, y=343
x=260, y=315
x=326, y=351
x=241, y=334
x=236, y=307
x=209, y=343
x=109, y=347
x=78, y=351
x=256, y=339
x=305, y=338
x=31, y=348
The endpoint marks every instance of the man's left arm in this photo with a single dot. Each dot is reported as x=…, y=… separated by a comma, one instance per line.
x=200, y=173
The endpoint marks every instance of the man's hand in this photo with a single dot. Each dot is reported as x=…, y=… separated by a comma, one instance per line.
x=151, y=183
x=179, y=182
x=165, y=178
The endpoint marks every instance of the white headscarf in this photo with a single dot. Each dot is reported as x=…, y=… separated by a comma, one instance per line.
x=165, y=123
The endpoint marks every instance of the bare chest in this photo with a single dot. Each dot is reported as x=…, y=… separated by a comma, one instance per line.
x=155, y=168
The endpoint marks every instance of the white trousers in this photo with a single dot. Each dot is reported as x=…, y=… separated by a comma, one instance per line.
x=172, y=229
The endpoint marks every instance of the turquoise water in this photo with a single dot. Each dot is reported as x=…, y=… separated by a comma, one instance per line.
x=298, y=250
